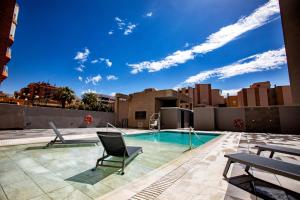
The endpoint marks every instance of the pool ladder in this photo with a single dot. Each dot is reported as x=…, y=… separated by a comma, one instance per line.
x=109, y=124
x=192, y=131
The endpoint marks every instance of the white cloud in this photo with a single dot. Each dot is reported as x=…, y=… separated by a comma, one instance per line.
x=258, y=18
x=108, y=63
x=149, y=14
x=80, y=78
x=88, y=91
x=112, y=94
x=110, y=32
x=111, y=78
x=94, y=61
x=82, y=56
x=118, y=19
x=231, y=92
x=128, y=27
x=80, y=68
x=94, y=80
x=186, y=45
x=268, y=60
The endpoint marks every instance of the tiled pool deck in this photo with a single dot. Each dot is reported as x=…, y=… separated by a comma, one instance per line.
x=27, y=171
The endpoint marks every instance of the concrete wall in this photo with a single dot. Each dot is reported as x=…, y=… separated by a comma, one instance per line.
x=170, y=118
x=289, y=119
x=270, y=119
x=224, y=118
x=204, y=118
x=20, y=117
x=11, y=116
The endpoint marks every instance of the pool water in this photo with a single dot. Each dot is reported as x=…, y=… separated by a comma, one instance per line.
x=181, y=138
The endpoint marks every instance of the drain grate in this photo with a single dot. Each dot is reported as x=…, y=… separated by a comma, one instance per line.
x=158, y=187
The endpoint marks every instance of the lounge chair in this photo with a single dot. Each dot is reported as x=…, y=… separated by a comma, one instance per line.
x=114, y=145
x=266, y=164
x=279, y=149
x=59, y=139
x=258, y=187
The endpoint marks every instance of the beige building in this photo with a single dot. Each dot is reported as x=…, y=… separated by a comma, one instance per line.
x=261, y=94
x=189, y=91
x=135, y=110
x=217, y=98
x=202, y=95
x=231, y=101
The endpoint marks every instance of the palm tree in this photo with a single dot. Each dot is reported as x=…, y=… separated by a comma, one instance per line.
x=65, y=94
x=90, y=99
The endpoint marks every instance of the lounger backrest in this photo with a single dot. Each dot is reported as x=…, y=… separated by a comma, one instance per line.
x=56, y=131
x=113, y=143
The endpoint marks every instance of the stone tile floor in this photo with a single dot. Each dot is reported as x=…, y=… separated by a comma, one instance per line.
x=56, y=174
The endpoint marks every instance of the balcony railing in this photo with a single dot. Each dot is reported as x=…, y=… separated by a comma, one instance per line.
x=8, y=53
x=4, y=72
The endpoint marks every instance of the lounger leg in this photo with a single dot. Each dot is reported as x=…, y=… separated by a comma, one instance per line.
x=52, y=141
x=123, y=163
x=258, y=151
x=100, y=159
x=227, y=168
x=271, y=154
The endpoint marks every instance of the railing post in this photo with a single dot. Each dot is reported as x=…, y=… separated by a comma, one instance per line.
x=158, y=123
x=190, y=134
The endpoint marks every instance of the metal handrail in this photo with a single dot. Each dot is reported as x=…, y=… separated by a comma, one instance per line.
x=196, y=134
x=109, y=124
x=190, y=137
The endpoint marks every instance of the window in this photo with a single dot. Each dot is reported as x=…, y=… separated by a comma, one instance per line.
x=140, y=115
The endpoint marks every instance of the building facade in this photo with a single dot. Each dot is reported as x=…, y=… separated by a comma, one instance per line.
x=231, y=101
x=202, y=95
x=107, y=100
x=135, y=110
x=9, y=11
x=290, y=18
x=261, y=94
x=39, y=93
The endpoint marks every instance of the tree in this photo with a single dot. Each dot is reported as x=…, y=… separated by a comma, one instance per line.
x=65, y=94
x=91, y=100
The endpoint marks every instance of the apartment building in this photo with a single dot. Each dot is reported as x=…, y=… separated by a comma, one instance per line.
x=217, y=98
x=188, y=91
x=40, y=90
x=202, y=95
x=107, y=100
x=261, y=94
x=9, y=11
x=231, y=101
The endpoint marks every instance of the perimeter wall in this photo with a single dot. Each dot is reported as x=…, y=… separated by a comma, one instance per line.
x=24, y=117
x=271, y=119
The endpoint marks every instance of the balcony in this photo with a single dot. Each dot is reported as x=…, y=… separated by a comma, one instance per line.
x=12, y=34
x=7, y=55
x=3, y=73
x=16, y=13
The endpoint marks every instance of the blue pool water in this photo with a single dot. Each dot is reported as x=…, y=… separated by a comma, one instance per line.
x=181, y=138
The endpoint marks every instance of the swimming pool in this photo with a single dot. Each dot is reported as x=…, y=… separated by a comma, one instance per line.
x=174, y=137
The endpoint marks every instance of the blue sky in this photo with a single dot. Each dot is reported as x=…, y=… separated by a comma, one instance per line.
x=126, y=46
